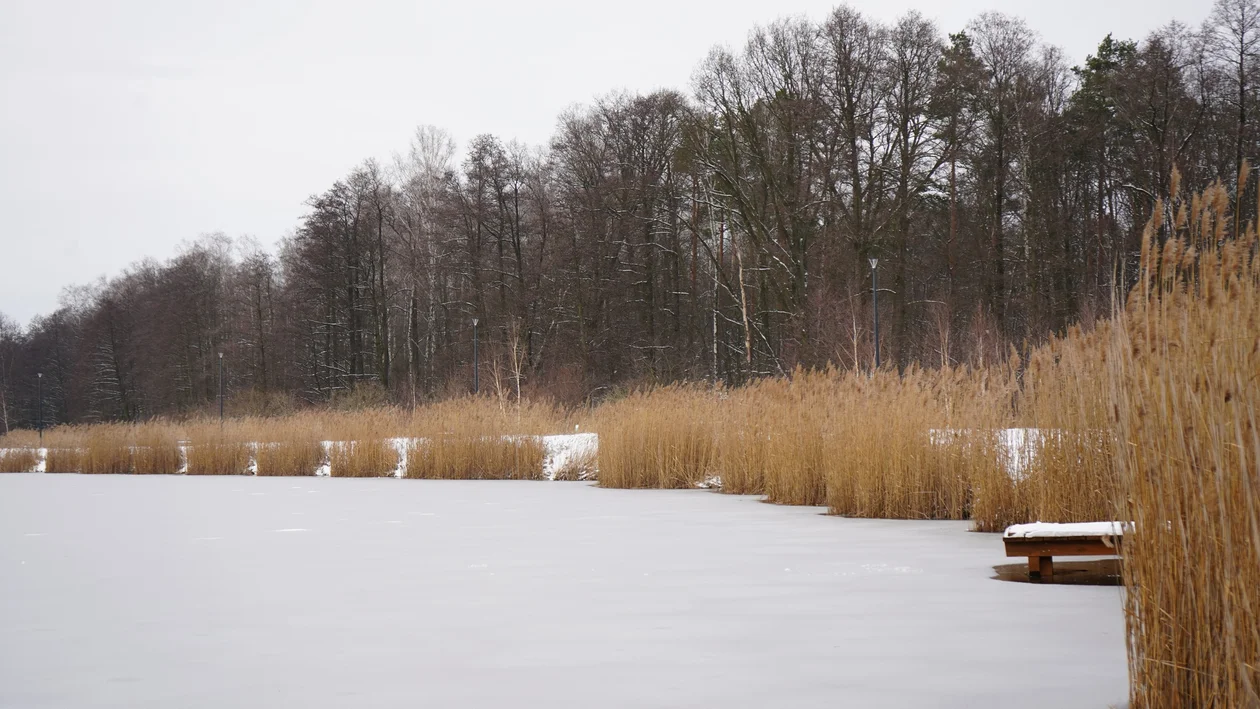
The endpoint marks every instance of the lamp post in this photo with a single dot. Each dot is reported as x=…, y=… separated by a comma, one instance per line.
x=476, y=361
x=220, y=390
x=39, y=385
x=875, y=305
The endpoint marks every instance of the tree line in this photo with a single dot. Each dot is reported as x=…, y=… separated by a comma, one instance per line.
x=723, y=234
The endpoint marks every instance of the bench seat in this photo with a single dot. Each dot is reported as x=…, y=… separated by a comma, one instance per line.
x=1042, y=541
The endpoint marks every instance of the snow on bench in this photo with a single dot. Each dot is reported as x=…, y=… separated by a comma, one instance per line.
x=1042, y=541
x=1053, y=530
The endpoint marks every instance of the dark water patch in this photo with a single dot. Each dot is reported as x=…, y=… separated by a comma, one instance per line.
x=1090, y=572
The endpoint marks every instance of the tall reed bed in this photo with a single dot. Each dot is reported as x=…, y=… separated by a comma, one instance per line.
x=363, y=459
x=215, y=449
x=1070, y=473
x=18, y=460
x=108, y=450
x=286, y=446
x=480, y=439
x=475, y=437
x=63, y=460
x=476, y=457
x=796, y=443
x=156, y=449
x=1186, y=391
x=915, y=445
x=293, y=458
x=658, y=439
x=884, y=445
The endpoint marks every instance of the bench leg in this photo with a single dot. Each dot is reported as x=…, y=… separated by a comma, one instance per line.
x=1041, y=567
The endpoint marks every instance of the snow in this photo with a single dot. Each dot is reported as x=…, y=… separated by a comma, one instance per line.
x=1018, y=448
x=568, y=450
x=517, y=594
x=41, y=456
x=1050, y=530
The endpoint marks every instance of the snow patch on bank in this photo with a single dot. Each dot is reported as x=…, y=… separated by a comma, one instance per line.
x=570, y=456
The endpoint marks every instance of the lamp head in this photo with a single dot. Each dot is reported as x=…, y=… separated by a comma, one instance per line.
x=874, y=263
x=474, y=322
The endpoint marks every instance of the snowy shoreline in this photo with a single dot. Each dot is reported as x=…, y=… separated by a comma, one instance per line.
x=566, y=454
x=572, y=455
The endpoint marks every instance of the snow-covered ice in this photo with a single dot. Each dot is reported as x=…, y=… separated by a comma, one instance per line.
x=552, y=595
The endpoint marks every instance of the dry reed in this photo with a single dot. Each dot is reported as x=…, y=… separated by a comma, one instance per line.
x=1070, y=475
x=1185, y=391
x=108, y=450
x=291, y=441
x=362, y=459
x=63, y=460
x=289, y=458
x=156, y=450
x=476, y=458
x=210, y=454
x=18, y=460
x=658, y=439
x=912, y=446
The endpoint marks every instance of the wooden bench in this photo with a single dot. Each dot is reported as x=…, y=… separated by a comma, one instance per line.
x=1043, y=541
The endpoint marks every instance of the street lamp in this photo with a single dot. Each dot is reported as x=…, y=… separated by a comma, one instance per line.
x=39, y=385
x=476, y=361
x=875, y=305
x=220, y=390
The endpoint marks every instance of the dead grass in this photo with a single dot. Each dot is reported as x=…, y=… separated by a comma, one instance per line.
x=294, y=458
x=156, y=450
x=20, y=438
x=912, y=446
x=1071, y=476
x=18, y=460
x=108, y=450
x=659, y=439
x=888, y=445
x=363, y=459
x=1186, y=392
x=467, y=457
x=292, y=440
x=742, y=439
x=211, y=454
x=64, y=460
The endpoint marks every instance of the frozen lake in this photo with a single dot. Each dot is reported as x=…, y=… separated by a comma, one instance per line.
x=129, y=591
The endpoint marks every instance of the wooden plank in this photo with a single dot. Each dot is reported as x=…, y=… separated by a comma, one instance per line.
x=1034, y=567
x=1046, y=567
x=1065, y=546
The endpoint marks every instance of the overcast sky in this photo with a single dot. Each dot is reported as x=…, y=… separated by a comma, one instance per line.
x=127, y=128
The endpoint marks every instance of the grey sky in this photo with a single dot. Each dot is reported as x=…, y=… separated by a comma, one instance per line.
x=127, y=128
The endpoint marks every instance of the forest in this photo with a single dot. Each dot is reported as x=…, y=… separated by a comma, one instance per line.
x=723, y=234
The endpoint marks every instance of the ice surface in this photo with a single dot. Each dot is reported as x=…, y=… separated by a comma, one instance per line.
x=164, y=591
x=1043, y=530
